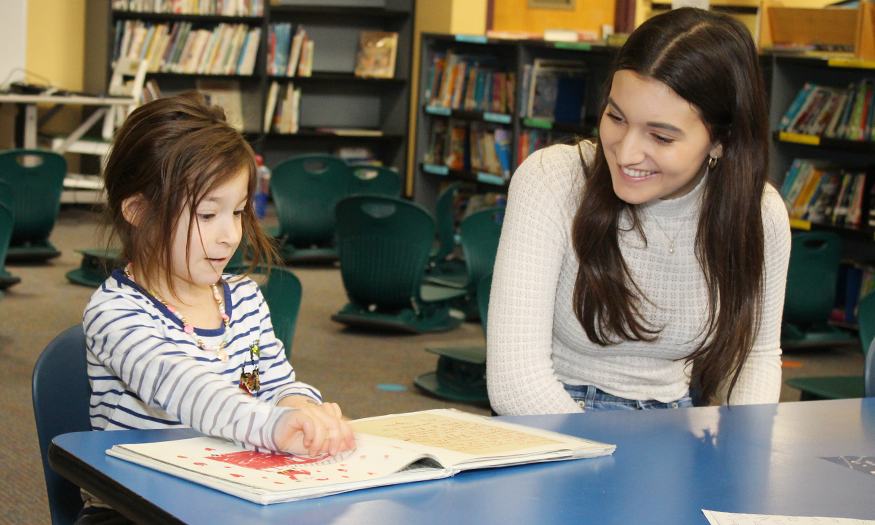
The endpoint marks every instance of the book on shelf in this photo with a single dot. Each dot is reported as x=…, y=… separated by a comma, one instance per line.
x=286, y=53
x=227, y=49
x=305, y=65
x=557, y=90
x=375, y=56
x=824, y=194
x=352, y=132
x=833, y=112
x=469, y=82
x=295, y=53
x=390, y=450
x=357, y=155
x=434, y=154
x=193, y=7
x=151, y=92
x=531, y=140
x=282, y=110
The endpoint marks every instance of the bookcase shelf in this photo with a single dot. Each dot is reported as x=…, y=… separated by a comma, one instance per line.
x=489, y=181
x=333, y=97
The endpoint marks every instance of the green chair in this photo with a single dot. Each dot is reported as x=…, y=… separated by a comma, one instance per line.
x=36, y=193
x=384, y=244
x=282, y=292
x=442, y=269
x=846, y=387
x=374, y=180
x=6, y=225
x=479, y=234
x=811, y=289
x=461, y=370
x=305, y=191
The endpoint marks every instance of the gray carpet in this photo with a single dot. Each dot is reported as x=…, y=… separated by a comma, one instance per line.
x=346, y=365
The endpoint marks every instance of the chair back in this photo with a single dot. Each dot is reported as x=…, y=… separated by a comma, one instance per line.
x=484, y=287
x=306, y=190
x=61, y=397
x=446, y=223
x=479, y=234
x=383, y=244
x=282, y=292
x=127, y=80
x=374, y=180
x=812, y=277
x=6, y=220
x=866, y=321
x=36, y=191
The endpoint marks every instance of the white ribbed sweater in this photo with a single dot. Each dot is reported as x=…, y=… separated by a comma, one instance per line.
x=535, y=342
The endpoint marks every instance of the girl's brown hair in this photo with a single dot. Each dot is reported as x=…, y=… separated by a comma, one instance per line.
x=709, y=60
x=169, y=154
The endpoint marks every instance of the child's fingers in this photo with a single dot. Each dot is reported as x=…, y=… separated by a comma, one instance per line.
x=333, y=409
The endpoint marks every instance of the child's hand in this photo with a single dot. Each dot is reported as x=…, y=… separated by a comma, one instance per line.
x=312, y=429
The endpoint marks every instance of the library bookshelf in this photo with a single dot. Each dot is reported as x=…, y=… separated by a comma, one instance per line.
x=336, y=109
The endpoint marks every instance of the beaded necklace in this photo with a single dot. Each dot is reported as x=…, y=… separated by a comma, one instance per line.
x=188, y=328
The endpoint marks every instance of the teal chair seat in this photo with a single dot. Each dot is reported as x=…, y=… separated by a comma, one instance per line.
x=36, y=179
x=96, y=266
x=810, y=293
x=846, y=387
x=384, y=244
x=305, y=191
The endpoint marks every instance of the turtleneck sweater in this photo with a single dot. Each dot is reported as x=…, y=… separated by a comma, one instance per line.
x=535, y=342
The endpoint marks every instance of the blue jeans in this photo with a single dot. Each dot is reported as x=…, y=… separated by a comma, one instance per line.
x=591, y=398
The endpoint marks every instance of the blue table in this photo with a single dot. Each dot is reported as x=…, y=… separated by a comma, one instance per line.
x=669, y=464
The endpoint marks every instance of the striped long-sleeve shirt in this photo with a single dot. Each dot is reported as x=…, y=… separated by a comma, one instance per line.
x=145, y=372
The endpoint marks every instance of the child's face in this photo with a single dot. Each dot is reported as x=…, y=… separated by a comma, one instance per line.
x=655, y=142
x=214, y=238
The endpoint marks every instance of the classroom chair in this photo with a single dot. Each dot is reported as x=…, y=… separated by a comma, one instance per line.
x=384, y=244
x=374, y=180
x=305, y=191
x=96, y=266
x=282, y=292
x=812, y=277
x=461, y=370
x=479, y=234
x=6, y=225
x=846, y=387
x=36, y=178
x=61, y=396
x=442, y=268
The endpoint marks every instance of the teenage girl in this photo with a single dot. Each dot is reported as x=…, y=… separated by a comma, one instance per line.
x=656, y=256
x=171, y=340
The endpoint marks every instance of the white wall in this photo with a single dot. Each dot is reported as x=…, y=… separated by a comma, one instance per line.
x=13, y=38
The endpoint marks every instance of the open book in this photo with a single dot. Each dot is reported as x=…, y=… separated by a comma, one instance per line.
x=390, y=450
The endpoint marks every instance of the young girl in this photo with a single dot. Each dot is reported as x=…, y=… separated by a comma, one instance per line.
x=171, y=340
x=625, y=262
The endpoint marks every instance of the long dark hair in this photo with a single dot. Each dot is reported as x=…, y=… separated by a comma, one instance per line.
x=173, y=152
x=709, y=60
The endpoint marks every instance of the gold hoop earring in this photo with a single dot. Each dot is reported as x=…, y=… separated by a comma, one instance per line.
x=712, y=161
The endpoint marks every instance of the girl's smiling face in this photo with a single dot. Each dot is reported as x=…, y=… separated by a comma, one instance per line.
x=215, y=236
x=655, y=142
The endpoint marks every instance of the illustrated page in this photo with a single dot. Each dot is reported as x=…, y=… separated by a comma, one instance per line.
x=275, y=472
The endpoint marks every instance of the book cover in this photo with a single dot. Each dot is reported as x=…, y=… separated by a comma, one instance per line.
x=842, y=131
x=437, y=140
x=297, y=44
x=456, y=157
x=390, y=450
x=270, y=105
x=376, y=53
x=814, y=95
x=805, y=172
x=801, y=202
x=305, y=67
x=840, y=212
x=790, y=177
x=832, y=127
x=502, y=149
x=797, y=103
x=855, y=210
x=821, y=209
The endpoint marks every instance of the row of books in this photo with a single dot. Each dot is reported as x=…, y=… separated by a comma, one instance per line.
x=833, y=112
x=824, y=194
x=470, y=82
x=151, y=92
x=469, y=146
x=289, y=55
x=282, y=111
x=227, y=49
x=554, y=90
x=193, y=7
x=471, y=199
x=531, y=140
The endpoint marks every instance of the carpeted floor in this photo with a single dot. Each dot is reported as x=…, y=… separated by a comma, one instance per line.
x=346, y=365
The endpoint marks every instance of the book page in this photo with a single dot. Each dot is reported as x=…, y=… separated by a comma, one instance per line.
x=727, y=518
x=449, y=433
x=209, y=457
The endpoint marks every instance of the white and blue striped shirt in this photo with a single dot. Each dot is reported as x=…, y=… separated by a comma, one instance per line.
x=145, y=372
